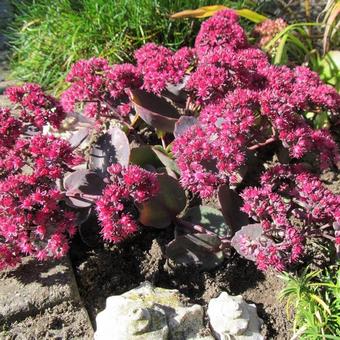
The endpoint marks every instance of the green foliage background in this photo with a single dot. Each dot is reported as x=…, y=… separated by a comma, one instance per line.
x=47, y=36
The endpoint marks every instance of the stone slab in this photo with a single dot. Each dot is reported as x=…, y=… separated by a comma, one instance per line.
x=33, y=289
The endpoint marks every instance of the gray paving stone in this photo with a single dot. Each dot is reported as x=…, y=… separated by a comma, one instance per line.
x=34, y=287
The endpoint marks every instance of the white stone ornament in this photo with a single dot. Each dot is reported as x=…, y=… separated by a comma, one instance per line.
x=231, y=318
x=149, y=313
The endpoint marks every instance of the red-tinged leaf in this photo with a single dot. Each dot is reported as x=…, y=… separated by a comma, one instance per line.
x=159, y=211
x=231, y=204
x=152, y=213
x=200, y=250
x=183, y=124
x=155, y=111
x=80, y=186
x=252, y=232
x=111, y=148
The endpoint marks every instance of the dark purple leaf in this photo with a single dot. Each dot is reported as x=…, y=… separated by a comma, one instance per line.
x=159, y=211
x=195, y=249
x=112, y=147
x=154, y=110
x=183, y=124
x=177, y=92
x=231, y=203
x=82, y=188
x=82, y=215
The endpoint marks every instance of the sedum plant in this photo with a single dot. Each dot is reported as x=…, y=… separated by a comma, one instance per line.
x=216, y=109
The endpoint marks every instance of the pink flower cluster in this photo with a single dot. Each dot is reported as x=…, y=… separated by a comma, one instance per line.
x=291, y=205
x=103, y=88
x=231, y=74
x=36, y=107
x=33, y=221
x=211, y=153
x=100, y=86
x=220, y=32
x=268, y=29
x=10, y=128
x=160, y=66
x=40, y=156
x=116, y=207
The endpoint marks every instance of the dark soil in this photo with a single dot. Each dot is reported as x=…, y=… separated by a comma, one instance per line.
x=111, y=270
x=104, y=271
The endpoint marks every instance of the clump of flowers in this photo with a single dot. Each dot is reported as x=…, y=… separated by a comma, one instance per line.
x=100, y=87
x=210, y=153
x=160, y=66
x=220, y=32
x=241, y=76
x=268, y=29
x=10, y=128
x=292, y=206
x=35, y=106
x=116, y=207
x=33, y=218
x=215, y=108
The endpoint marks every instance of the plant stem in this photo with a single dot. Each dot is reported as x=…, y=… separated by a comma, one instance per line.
x=81, y=195
x=225, y=241
x=258, y=145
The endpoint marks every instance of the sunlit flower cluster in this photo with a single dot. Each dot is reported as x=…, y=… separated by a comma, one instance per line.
x=116, y=207
x=291, y=206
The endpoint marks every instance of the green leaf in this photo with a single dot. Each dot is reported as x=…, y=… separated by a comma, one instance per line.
x=251, y=15
x=208, y=217
x=164, y=157
x=155, y=156
x=329, y=68
x=281, y=52
x=321, y=120
x=144, y=156
x=208, y=11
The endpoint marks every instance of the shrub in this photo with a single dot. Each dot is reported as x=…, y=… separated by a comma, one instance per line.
x=216, y=108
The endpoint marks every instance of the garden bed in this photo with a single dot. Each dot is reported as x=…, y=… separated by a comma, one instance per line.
x=206, y=169
x=106, y=271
